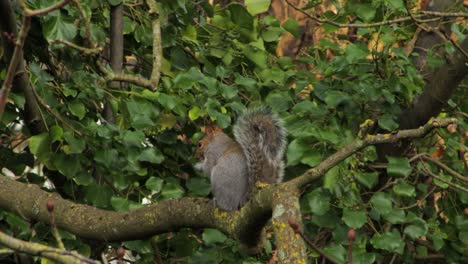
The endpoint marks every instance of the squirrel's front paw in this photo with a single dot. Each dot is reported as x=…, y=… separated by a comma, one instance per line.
x=261, y=185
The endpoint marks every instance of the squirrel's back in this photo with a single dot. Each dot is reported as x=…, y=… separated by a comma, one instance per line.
x=262, y=136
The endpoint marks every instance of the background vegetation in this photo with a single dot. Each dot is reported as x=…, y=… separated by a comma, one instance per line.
x=109, y=97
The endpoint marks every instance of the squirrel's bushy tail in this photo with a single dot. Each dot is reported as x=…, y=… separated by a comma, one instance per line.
x=262, y=136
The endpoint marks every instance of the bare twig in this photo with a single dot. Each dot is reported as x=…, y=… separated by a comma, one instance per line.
x=85, y=51
x=418, y=202
x=30, y=13
x=50, y=110
x=441, y=14
x=315, y=173
x=309, y=242
x=363, y=25
x=446, y=168
x=88, y=38
x=36, y=249
x=15, y=60
x=157, y=47
x=451, y=184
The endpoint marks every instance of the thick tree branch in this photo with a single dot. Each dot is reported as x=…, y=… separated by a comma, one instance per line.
x=290, y=246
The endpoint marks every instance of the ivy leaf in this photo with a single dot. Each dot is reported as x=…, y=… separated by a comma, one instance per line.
x=68, y=165
x=151, y=155
x=335, y=98
x=77, y=109
x=336, y=251
x=354, y=53
x=196, y=113
x=39, y=145
x=398, y=167
x=199, y=186
x=417, y=229
x=292, y=27
x=354, y=218
x=106, y=157
x=295, y=151
x=390, y=241
x=404, y=189
x=55, y=133
x=395, y=216
x=319, y=201
x=241, y=17
x=98, y=195
x=59, y=27
x=75, y=146
x=256, y=7
x=120, y=204
x=368, y=179
x=382, y=202
x=442, y=184
x=213, y=236
x=172, y=190
x=140, y=246
x=154, y=184
x=365, y=11
x=387, y=122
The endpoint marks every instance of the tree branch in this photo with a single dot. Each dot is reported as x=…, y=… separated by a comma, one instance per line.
x=286, y=209
x=36, y=249
x=157, y=47
x=15, y=60
x=377, y=24
x=29, y=12
x=315, y=173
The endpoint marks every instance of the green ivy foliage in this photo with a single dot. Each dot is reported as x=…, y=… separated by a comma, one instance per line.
x=217, y=61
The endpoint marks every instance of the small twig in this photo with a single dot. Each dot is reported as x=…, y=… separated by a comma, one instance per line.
x=454, y=43
x=135, y=79
x=351, y=238
x=297, y=230
x=417, y=203
x=157, y=252
x=157, y=47
x=55, y=232
x=441, y=14
x=340, y=25
x=36, y=249
x=445, y=167
x=88, y=38
x=30, y=13
x=85, y=51
x=453, y=185
x=6, y=251
x=393, y=137
x=15, y=59
x=51, y=111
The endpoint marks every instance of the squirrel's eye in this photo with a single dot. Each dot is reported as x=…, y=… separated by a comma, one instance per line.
x=200, y=144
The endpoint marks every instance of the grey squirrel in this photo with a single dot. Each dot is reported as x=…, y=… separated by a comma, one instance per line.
x=235, y=165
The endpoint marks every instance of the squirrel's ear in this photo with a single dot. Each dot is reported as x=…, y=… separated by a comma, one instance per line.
x=212, y=129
